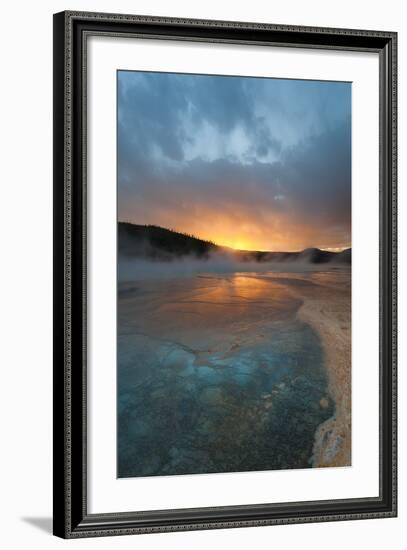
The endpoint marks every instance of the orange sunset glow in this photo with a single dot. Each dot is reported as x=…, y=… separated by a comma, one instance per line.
x=240, y=232
x=251, y=164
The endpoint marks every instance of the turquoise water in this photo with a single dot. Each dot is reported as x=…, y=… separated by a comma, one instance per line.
x=216, y=374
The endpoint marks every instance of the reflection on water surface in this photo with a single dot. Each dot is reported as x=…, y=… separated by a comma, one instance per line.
x=216, y=374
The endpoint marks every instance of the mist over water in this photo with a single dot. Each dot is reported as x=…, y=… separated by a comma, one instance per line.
x=131, y=269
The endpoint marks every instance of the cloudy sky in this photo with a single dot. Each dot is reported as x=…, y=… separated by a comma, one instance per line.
x=251, y=163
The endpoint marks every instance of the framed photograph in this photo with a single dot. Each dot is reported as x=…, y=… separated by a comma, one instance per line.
x=224, y=274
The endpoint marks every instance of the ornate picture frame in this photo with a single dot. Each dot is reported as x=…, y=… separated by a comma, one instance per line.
x=72, y=31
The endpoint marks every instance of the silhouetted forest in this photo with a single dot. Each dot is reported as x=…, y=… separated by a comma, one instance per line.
x=158, y=243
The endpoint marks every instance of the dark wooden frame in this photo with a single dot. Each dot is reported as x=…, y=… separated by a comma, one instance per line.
x=71, y=518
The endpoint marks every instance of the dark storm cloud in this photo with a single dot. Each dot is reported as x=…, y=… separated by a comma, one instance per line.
x=203, y=154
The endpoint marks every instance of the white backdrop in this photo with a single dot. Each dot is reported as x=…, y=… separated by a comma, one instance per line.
x=26, y=274
x=106, y=493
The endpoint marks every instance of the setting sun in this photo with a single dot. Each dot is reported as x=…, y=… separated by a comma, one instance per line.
x=236, y=244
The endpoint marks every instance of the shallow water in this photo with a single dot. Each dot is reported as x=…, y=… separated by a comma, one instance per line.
x=216, y=374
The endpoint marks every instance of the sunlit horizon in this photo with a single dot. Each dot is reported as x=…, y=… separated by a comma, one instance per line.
x=240, y=243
